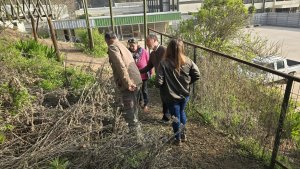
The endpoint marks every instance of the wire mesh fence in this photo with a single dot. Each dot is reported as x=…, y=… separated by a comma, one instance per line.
x=255, y=103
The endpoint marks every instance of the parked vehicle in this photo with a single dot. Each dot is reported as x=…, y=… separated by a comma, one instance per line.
x=280, y=64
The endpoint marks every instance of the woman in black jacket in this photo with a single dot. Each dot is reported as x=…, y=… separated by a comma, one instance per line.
x=176, y=73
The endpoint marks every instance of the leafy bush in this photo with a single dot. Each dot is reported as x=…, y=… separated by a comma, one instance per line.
x=15, y=95
x=39, y=61
x=215, y=24
x=251, y=9
x=78, y=78
x=100, y=47
x=82, y=16
x=30, y=48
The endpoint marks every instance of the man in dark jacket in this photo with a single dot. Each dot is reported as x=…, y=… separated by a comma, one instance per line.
x=157, y=54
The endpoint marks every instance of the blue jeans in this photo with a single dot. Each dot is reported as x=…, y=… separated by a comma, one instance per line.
x=176, y=109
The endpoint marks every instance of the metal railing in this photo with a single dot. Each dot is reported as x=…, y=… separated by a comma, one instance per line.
x=255, y=102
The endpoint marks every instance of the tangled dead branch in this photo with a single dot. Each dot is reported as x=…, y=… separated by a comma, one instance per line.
x=89, y=133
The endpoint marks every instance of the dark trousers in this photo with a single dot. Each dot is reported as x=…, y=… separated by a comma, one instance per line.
x=130, y=109
x=166, y=113
x=144, y=94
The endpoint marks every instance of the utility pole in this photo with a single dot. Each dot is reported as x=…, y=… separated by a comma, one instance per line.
x=89, y=30
x=111, y=17
x=145, y=22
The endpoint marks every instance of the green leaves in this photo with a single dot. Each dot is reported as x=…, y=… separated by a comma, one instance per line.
x=100, y=47
x=59, y=163
x=217, y=22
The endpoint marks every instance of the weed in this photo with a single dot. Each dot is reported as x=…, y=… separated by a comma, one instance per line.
x=59, y=163
x=100, y=47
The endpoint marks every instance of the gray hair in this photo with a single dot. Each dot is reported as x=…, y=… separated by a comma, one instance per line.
x=152, y=36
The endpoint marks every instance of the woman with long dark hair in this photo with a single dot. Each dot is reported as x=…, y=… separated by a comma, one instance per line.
x=176, y=73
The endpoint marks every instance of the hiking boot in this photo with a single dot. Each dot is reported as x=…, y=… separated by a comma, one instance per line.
x=183, y=138
x=177, y=142
x=165, y=119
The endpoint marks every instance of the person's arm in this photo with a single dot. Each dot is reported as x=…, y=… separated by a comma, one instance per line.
x=159, y=79
x=119, y=65
x=148, y=67
x=194, y=73
x=147, y=59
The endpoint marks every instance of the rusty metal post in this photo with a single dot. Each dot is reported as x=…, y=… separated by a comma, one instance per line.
x=195, y=60
x=284, y=108
x=53, y=37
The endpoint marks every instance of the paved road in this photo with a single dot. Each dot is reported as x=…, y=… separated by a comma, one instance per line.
x=288, y=37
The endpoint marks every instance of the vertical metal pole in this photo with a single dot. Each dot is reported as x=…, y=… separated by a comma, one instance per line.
x=284, y=108
x=195, y=54
x=173, y=5
x=111, y=17
x=177, y=5
x=161, y=39
x=195, y=60
x=145, y=22
x=89, y=30
x=160, y=5
x=264, y=6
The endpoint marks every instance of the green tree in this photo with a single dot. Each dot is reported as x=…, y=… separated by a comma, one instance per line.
x=217, y=22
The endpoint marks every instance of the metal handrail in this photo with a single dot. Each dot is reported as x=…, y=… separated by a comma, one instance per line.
x=285, y=102
x=287, y=76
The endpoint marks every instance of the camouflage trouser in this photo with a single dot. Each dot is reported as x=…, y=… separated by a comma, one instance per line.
x=130, y=111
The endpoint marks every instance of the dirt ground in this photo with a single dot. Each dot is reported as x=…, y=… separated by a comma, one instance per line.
x=206, y=147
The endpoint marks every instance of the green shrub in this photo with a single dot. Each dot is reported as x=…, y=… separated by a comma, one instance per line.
x=31, y=48
x=79, y=78
x=83, y=16
x=151, y=81
x=17, y=97
x=39, y=61
x=100, y=47
x=59, y=164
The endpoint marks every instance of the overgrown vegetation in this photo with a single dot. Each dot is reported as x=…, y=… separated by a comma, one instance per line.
x=39, y=60
x=100, y=47
x=46, y=123
x=226, y=99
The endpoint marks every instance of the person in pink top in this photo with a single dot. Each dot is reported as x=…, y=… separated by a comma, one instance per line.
x=141, y=57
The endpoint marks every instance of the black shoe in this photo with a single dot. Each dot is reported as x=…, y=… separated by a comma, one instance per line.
x=183, y=138
x=177, y=142
x=165, y=119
